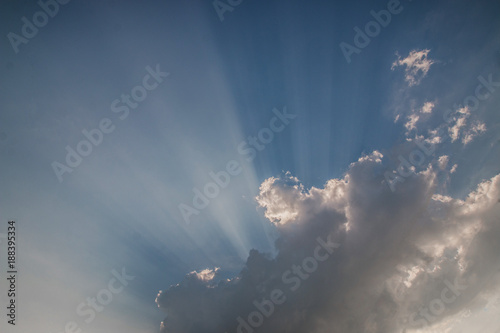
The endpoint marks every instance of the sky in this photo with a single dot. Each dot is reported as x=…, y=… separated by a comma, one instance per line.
x=250, y=166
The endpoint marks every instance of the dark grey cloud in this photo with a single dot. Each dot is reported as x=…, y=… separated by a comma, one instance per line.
x=395, y=254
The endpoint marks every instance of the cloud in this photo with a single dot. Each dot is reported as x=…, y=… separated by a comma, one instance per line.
x=454, y=131
x=433, y=138
x=443, y=161
x=459, y=128
x=397, y=252
x=414, y=116
x=474, y=131
x=427, y=107
x=454, y=168
x=411, y=123
x=280, y=198
x=416, y=64
x=206, y=275
x=460, y=122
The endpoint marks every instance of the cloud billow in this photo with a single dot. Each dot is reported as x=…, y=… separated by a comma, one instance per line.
x=397, y=252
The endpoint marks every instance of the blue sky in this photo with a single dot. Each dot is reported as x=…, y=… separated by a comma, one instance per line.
x=227, y=79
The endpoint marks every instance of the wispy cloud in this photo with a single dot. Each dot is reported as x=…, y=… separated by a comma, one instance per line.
x=416, y=64
x=411, y=123
x=474, y=131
